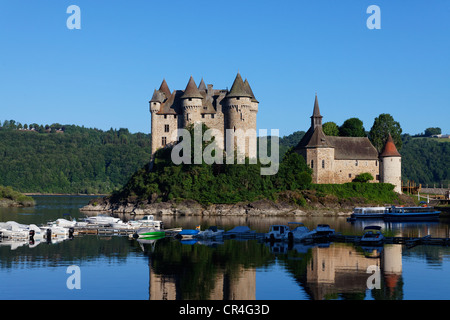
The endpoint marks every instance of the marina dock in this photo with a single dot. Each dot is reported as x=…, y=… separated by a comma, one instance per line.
x=409, y=241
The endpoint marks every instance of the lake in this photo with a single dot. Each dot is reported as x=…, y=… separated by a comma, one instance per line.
x=120, y=268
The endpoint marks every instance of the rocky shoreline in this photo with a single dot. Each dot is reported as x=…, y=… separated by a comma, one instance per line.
x=327, y=206
x=8, y=203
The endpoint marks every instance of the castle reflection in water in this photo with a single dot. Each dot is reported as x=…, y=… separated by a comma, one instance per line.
x=324, y=272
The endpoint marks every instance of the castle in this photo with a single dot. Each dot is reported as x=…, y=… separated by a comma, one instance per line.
x=219, y=109
x=341, y=159
x=332, y=159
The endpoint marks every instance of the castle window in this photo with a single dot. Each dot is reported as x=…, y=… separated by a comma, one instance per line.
x=190, y=99
x=323, y=164
x=203, y=116
x=312, y=164
x=212, y=116
x=378, y=177
x=376, y=163
x=356, y=163
x=349, y=175
x=166, y=128
x=165, y=116
x=174, y=116
x=204, y=108
x=164, y=141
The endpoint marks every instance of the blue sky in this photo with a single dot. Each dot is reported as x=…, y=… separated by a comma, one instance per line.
x=103, y=75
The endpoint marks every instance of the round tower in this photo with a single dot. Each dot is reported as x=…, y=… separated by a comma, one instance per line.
x=155, y=106
x=239, y=117
x=391, y=165
x=192, y=103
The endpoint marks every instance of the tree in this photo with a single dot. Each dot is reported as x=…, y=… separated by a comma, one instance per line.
x=352, y=127
x=363, y=177
x=382, y=126
x=432, y=131
x=330, y=129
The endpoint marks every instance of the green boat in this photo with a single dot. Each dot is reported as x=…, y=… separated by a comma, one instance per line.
x=150, y=233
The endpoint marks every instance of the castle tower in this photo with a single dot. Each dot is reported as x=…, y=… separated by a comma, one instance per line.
x=391, y=165
x=240, y=111
x=158, y=98
x=191, y=103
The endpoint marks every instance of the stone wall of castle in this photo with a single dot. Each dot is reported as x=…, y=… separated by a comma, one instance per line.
x=326, y=169
x=347, y=170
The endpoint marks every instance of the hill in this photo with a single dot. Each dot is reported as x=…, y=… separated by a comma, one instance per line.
x=426, y=160
x=75, y=160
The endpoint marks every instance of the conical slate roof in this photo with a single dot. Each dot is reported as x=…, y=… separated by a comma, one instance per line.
x=202, y=85
x=191, y=90
x=389, y=148
x=238, y=88
x=250, y=91
x=157, y=96
x=165, y=88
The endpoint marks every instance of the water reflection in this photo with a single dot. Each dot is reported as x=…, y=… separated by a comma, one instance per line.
x=231, y=269
x=228, y=271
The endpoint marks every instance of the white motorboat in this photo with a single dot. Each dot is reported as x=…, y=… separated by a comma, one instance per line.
x=277, y=232
x=323, y=230
x=149, y=221
x=211, y=233
x=130, y=225
x=65, y=223
x=372, y=236
x=299, y=233
x=14, y=230
x=102, y=220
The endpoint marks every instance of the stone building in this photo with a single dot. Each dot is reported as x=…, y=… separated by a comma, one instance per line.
x=341, y=159
x=219, y=109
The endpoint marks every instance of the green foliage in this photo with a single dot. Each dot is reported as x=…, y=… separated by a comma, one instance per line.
x=363, y=177
x=382, y=126
x=432, y=131
x=352, y=127
x=78, y=160
x=330, y=128
x=426, y=161
x=10, y=194
x=217, y=183
x=371, y=192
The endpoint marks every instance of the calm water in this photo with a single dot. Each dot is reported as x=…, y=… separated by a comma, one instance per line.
x=115, y=267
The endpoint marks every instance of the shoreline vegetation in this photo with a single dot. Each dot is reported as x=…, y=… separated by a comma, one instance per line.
x=163, y=188
x=12, y=198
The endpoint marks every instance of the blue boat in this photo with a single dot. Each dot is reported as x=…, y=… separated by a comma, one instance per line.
x=411, y=213
x=188, y=233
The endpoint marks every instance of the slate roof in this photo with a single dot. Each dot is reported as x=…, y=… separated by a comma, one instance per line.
x=191, y=90
x=238, y=89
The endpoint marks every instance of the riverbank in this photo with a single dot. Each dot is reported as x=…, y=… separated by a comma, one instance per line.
x=287, y=204
x=12, y=198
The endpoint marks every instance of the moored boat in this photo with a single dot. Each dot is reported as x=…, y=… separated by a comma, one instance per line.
x=277, y=232
x=149, y=221
x=299, y=233
x=372, y=236
x=149, y=232
x=411, y=213
x=210, y=233
x=188, y=233
x=368, y=212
